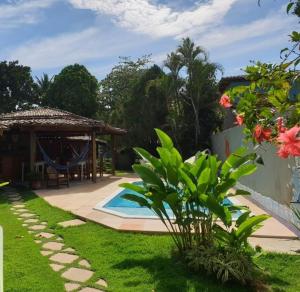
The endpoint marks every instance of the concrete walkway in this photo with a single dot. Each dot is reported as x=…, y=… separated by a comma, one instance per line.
x=81, y=198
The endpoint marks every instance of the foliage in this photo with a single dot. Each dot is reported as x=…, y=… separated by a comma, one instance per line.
x=43, y=85
x=195, y=192
x=194, y=93
x=3, y=184
x=269, y=107
x=74, y=89
x=17, y=88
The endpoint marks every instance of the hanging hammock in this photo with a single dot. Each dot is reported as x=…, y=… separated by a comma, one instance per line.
x=81, y=157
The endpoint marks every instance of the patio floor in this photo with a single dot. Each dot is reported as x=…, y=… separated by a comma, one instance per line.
x=81, y=199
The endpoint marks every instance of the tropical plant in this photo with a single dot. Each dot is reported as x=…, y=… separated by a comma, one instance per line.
x=43, y=85
x=3, y=184
x=195, y=192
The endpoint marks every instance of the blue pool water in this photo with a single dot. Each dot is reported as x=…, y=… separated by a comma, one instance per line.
x=128, y=208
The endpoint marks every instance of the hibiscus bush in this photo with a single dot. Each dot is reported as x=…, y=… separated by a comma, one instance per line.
x=269, y=107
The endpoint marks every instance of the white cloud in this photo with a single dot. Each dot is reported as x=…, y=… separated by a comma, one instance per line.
x=22, y=12
x=89, y=44
x=226, y=35
x=158, y=20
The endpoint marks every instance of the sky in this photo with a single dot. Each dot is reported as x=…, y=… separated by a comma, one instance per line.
x=50, y=34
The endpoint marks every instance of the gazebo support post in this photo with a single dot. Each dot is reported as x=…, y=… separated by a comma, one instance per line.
x=94, y=157
x=113, y=154
x=32, y=149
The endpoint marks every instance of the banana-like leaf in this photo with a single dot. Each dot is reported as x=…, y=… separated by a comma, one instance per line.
x=164, y=139
x=248, y=224
x=148, y=175
x=133, y=187
x=4, y=184
x=204, y=180
x=134, y=198
x=232, y=160
x=243, y=170
x=146, y=155
x=188, y=181
x=242, y=218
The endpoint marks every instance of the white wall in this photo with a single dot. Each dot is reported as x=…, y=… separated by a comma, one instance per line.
x=271, y=184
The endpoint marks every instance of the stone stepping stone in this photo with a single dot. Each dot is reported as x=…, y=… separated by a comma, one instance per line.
x=38, y=241
x=71, y=287
x=17, y=202
x=84, y=263
x=69, y=249
x=17, y=206
x=56, y=246
x=31, y=221
x=43, y=223
x=24, y=225
x=64, y=258
x=44, y=235
x=59, y=239
x=37, y=227
x=102, y=282
x=88, y=289
x=77, y=275
x=15, y=199
x=27, y=215
x=74, y=222
x=46, y=252
x=21, y=210
x=56, y=267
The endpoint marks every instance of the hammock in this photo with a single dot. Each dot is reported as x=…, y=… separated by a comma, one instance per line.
x=71, y=164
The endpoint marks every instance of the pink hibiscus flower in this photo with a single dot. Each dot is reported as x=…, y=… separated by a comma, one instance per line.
x=280, y=125
x=239, y=120
x=290, y=142
x=262, y=134
x=225, y=101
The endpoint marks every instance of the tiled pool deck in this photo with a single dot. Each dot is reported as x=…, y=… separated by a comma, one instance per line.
x=81, y=199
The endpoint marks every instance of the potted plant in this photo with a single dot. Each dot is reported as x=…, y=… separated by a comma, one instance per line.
x=35, y=180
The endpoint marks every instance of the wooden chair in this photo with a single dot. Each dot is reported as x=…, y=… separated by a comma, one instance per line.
x=57, y=178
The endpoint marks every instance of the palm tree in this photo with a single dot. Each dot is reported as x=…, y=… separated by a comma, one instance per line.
x=43, y=85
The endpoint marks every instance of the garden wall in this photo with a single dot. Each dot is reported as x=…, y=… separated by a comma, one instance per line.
x=272, y=184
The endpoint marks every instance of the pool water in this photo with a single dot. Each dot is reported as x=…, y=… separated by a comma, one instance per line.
x=120, y=206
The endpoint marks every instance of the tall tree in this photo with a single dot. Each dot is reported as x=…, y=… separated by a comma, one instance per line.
x=74, y=89
x=43, y=85
x=17, y=88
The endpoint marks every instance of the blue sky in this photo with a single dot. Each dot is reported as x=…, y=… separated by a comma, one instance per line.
x=50, y=34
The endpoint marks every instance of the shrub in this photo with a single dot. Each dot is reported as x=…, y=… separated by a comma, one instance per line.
x=195, y=193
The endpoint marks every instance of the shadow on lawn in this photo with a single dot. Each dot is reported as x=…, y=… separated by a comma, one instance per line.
x=170, y=274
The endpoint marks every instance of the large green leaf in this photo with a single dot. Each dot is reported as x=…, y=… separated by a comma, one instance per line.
x=204, y=180
x=232, y=160
x=146, y=155
x=164, y=139
x=133, y=187
x=188, y=181
x=247, y=225
x=243, y=170
x=148, y=175
x=135, y=198
x=3, y=184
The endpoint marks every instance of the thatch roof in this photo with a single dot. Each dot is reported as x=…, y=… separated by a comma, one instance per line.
x=44, y=118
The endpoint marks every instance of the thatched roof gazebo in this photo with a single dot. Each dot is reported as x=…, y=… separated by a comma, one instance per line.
x=23, y=128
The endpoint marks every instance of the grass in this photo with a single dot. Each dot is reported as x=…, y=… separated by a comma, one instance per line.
x=129, y=262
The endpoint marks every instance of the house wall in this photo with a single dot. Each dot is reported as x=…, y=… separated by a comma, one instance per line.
x=272, y=184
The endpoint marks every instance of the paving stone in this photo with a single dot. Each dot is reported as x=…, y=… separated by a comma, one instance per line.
x=64, y=258
x=56, y=267
x=27, y=215
x=22, y=211
x=19, y=206
x=15, y=199
x=75, y=222
x=69, y=249
x=29, y=231
x=24, y=225
x=37, y=241
x=71, y=286
x=17, y=202
x=44, y=235
x=31, y=221
x=46, y=252
x=77, y=275
x=102, y=282
x=44, y=223
x=37, y=227
x=84, y=263
x=88, y=289
x=53, y=245
x=59, y=239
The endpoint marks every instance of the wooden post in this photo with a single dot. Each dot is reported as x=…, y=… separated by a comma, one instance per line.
x=32, y=149
x=113, y=154
x=94, y=157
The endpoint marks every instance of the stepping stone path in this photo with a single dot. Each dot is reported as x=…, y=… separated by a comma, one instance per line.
x=74, y=270
x=75, y=222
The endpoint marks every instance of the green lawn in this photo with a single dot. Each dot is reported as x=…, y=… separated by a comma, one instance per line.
x=129, y=262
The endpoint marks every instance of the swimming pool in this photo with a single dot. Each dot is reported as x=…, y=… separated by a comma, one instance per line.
x=119, y=206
